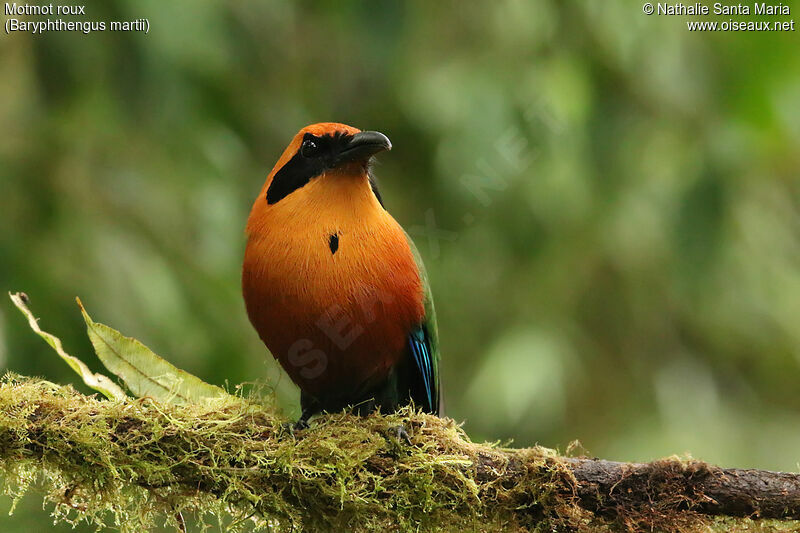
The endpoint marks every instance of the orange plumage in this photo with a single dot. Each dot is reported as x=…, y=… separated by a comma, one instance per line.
x=329, y=279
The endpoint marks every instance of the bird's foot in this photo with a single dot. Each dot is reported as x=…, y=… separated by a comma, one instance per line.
x=291, y=427
x=400, y=433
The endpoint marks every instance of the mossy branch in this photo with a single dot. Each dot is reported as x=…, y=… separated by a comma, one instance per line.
x=132, y=463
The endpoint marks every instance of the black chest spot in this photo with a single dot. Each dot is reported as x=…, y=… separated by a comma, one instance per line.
x=333, y=242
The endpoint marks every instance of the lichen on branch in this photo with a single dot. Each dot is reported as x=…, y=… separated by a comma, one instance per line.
x=135, y=463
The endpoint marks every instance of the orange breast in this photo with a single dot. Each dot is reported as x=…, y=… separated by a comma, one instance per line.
x=337, y=322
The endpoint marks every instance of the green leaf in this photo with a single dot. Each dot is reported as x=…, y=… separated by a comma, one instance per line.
x=97, y=382
x=147, y=374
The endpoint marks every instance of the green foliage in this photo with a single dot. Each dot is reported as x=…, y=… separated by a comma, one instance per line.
x=98, y=382
x=142, y=371
x=147, y=374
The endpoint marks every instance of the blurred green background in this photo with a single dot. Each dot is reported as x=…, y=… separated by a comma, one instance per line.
x=608, y=204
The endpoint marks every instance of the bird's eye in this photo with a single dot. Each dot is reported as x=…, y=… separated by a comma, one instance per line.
x=309, y=148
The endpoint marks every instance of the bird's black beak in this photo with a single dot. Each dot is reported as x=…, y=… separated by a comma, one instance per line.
x=362, y=146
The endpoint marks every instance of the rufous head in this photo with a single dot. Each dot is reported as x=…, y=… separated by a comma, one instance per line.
x=322, y=149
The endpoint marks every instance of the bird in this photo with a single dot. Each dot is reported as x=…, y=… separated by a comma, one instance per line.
x=334, y=286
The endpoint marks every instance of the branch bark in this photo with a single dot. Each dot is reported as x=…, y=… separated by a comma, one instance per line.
x=607, y=486
x=130, y=461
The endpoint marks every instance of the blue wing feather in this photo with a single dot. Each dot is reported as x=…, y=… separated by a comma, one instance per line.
x=419, y=344
x=423, y=343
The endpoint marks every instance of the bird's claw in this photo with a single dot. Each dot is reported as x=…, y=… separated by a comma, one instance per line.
x=400, y=433
x=291, y=427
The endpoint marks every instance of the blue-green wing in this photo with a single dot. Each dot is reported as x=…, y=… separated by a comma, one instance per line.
x=423, y=345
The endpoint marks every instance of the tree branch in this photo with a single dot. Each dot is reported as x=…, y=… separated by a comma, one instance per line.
x=130, y=462
x=607, y=486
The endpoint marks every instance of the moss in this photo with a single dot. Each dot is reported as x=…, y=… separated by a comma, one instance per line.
x=132, y=464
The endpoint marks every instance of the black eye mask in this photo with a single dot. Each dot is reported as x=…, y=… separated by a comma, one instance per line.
x=320, y=153
x=316, y=155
